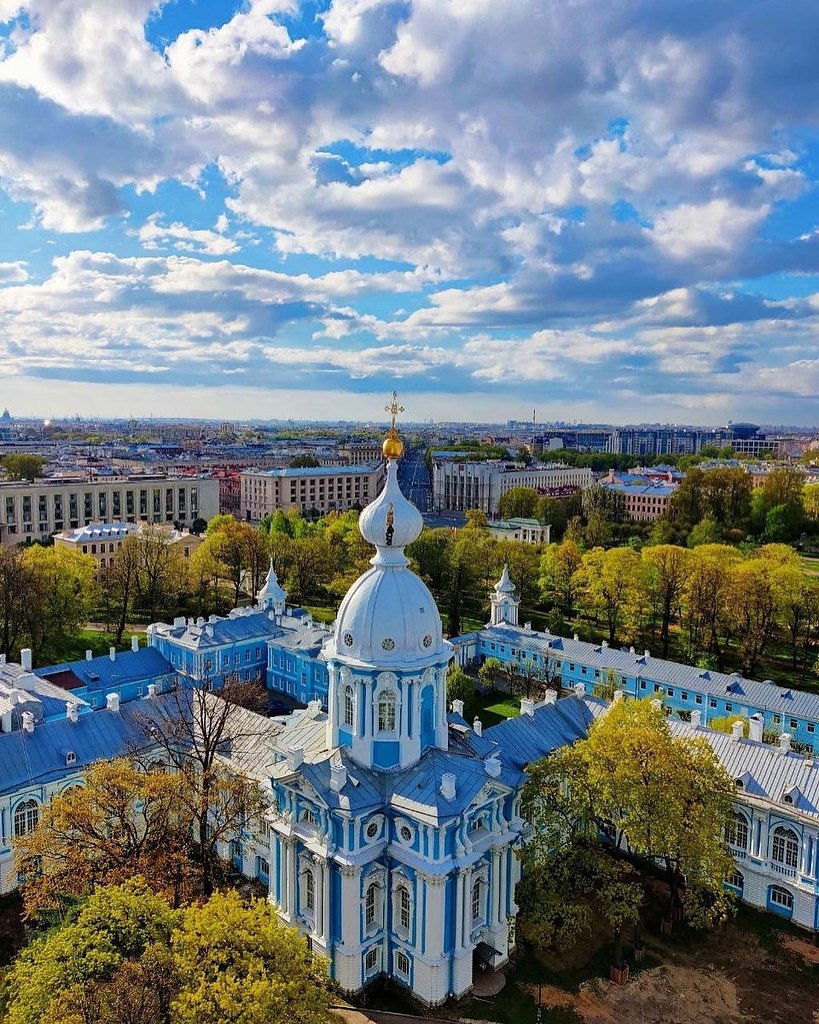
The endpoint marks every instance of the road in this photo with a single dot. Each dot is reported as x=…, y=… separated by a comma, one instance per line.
x=417, y=486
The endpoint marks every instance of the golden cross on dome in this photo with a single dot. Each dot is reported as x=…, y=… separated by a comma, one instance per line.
x=394, y=408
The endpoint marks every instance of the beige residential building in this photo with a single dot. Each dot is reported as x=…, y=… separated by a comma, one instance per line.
x=102, y=540
x=313, y=491
x=35, y=511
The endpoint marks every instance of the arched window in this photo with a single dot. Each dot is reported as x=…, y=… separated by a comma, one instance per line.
x=785, y=847
x=477, y=900
x=736, y=831
x=780, y=897
x=736, y=880
x=26, y=816
x=404, y=908
x=349, y=706
x=386, y=711
x=309, y=891
x=370, y=905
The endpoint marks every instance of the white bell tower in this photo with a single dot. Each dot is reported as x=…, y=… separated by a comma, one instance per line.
x=505, y=603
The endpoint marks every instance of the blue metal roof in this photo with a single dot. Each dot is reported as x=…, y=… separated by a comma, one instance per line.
x=101, y=672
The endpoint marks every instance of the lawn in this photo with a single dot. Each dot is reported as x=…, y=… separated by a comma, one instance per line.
x=95, y=640
x=492, y=708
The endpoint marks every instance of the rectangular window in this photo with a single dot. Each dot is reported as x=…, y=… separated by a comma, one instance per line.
x=129, y=503
x=371, y=960
x=711, y=702
x=10, y=519
x=27, y=508
x=811, y=727
x=698, y=699
x=729, y=707
x=776, y=719
x=143, y=502
x=670, y=692
x=194, y=499
x=102, y=504
x=88, y=506
x=262, y=868
x=157, y=497
x=169, y=499
x=116, y=504
x=402, y=964
x=794, y=724
x=182, y=504
x=404, y=909
x=642, y=684
x=684, y=695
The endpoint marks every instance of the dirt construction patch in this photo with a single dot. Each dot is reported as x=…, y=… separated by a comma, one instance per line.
x=662, y=995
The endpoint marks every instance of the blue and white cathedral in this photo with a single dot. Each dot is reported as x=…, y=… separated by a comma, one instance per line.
x=394, y=823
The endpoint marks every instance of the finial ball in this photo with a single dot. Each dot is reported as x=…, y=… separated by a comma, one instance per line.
x=393, y=447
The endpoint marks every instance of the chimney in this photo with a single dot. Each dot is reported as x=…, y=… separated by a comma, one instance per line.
x=25, y=659
x=295, y=757
x=458, y=707
x=151, y=691
x=492, y=766
x=696, y=719
x=527, y=626
x=785, y=743
x=477, y=726
x=577, y=636
x=657, y=704
x=71, y=711
x=737, y=729
x=448, y=786
x=28, y=722
x=2, y=659
x=112, y=653
x=755, y=728
x=89, y=655
x=550, y=697
x=314, y=708
x=618, y=695
x=605, y=643
x=580, y=690
x=112, y=702
x=338, y=777
x=134, y=643
x=647, y=654
x=527, y=707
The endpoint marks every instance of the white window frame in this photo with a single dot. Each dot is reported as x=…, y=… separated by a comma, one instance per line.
x=478, y=902
x=786, y=902
x=785, y=847
x=737, y=831
x=371, y=960
x=387, y=710
x=348, y=706
x=401, y=959
x=26, y=817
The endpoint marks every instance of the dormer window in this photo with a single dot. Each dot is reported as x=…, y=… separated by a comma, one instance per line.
x=70, y=758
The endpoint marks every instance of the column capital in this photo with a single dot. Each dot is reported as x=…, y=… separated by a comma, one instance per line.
x=349, y=870
x=435, y=881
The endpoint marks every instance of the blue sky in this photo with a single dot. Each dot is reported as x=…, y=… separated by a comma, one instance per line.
x=275, y=209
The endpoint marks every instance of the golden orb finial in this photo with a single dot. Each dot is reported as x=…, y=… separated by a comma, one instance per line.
x=393, y=446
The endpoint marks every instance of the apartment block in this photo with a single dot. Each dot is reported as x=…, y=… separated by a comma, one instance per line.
x=460, y=486
x=312, y=491
x=35, y=511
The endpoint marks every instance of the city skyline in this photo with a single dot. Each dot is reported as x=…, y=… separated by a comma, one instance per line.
x=606, y=214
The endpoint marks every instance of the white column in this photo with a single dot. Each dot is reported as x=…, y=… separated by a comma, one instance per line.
x=496, y=908
x=467, y=908
x=318, y=914
x=459, y=909
x=350, y=906
x=325, y=901
x=275, y=866
x=284, y=867
x=292, y=871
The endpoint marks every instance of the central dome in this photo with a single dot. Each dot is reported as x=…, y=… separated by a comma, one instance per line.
x=388, y=616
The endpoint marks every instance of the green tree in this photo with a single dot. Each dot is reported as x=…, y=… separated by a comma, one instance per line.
x=489, y=671
x=706, y=531
x=62, y=591
x=19, y=466
x=476, y=519
x=558, y=565
x=459, y=686
x=668, y=797
x=304, y=462
x=518, y=502
x=609, y=585
x=667, y=568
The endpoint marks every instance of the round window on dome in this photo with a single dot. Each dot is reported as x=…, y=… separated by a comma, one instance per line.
x=372, y=830
x=388, y=643
x=427, y=641
x=348, y=639
x=405, y=832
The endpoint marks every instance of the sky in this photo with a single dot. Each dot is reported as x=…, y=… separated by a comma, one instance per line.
x=273, y=209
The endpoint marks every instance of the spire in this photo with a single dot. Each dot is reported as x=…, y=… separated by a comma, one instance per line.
x=505, y=584
x=272, y=595
x=393, y=446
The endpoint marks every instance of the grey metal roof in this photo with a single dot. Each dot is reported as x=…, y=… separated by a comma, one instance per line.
x=766, y=695
x=527, y=738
